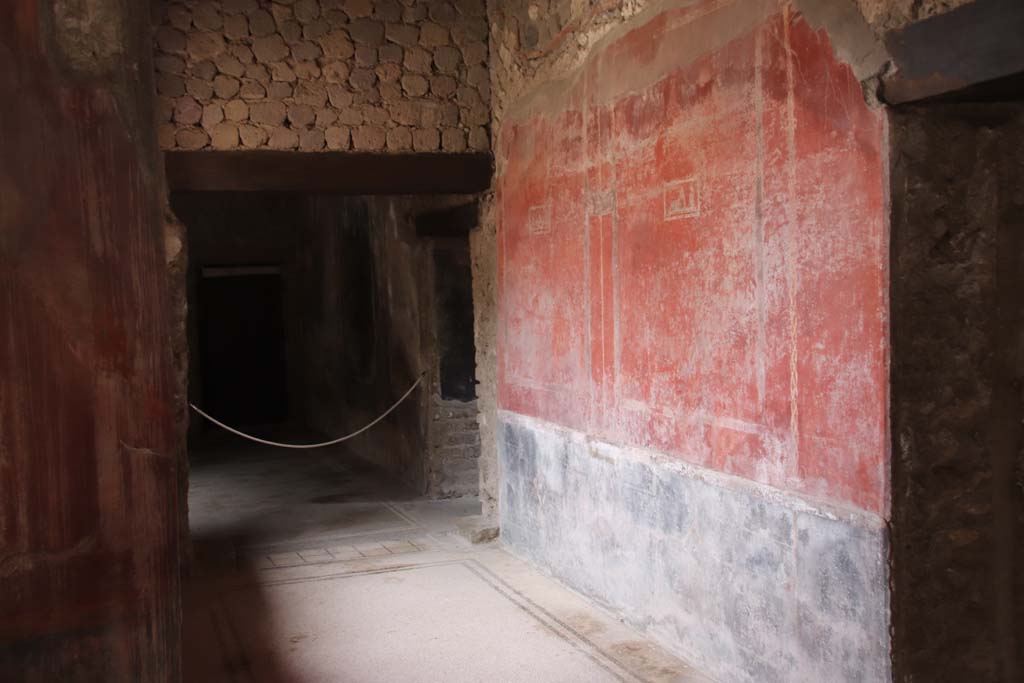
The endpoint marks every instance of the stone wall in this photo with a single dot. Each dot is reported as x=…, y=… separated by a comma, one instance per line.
x=888, y=15
x=454, y=443
x=483, y=244
x=957, y=406
x=314, y=75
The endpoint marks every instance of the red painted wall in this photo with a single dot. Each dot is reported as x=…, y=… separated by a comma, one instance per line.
x=693, y=253
x=89, y=585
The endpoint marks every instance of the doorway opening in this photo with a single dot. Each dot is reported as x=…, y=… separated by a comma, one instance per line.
x=310, y=314
x=241, y=355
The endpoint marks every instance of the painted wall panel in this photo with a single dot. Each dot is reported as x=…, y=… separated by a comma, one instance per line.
x=89, y=510
x=693, y=252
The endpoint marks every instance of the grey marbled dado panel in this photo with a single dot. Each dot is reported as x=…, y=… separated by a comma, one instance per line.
x=746, y=582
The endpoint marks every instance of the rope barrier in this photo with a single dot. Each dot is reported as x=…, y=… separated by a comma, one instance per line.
x=311, y=445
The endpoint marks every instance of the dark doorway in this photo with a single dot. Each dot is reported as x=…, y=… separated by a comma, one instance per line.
x=454, y=284
x=242, y=344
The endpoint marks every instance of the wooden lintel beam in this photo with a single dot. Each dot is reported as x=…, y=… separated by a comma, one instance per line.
x=352, y=173
x=980, y=42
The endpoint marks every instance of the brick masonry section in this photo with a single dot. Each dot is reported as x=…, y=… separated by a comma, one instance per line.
x=454, y=463
x=746, y=582
x=322, y=75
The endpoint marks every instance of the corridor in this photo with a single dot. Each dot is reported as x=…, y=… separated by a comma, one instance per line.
x=312, y=566
x=654, y=340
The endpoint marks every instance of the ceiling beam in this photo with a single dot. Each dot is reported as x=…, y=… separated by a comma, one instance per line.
x=976, y=43
x=349, y=173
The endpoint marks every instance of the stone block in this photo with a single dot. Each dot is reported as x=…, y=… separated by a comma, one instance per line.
x=339, y=95
x=187, y=111
x=388, y=73
x=433, y=35
x=336, y=71
x=204, y=45
x=282, y=71
x=366, y=31
x=306, y=70
x=418, y=60
x=390, y=54
x=261, y=24
x=283, y=138
x=206, y=16
x=368, y=138
x=337, y=44
x=252, y=137
x=238, y=6
x=312, y=93
x=474, y=52
x=252, y=90
x=478, y=139
x=236, y=26
x=426, y=139
x=258, y=72
x=399, y=139
x=269, y=113
x=279, y=90
x=226, y=87
x=356, y=9
x=180, y=17
x=315, y=30
x=306, y=11
x=442, y=86
x=227, y=63
x=291, y=32
x=271, y=48
x=403, y=35
x=213, y=114
x=453, y=140
x=447, y=59
x=366, y=56
x=311, y=140
x=224, y=135
x=306, y=51
x=387, y=10
x=415, y=85
x=300, y=115
x=236, y=110
x=337, y=137
x=325, y=118
x=191, y=138
x=199, y=89
x=362, y=79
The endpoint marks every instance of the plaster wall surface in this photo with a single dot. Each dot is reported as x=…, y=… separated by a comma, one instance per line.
x=696, y=262
x=88, y=445
x=692, y=232
x=745, y=583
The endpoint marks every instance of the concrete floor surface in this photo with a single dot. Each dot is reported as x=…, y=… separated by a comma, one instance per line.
x=311, y=566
